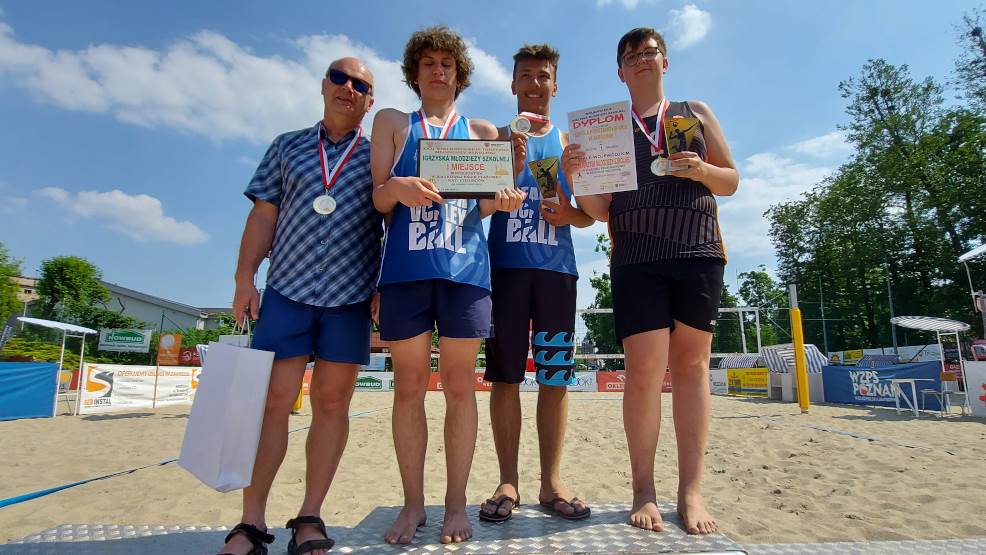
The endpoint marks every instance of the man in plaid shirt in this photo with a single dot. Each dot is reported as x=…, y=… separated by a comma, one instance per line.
x=313, y=213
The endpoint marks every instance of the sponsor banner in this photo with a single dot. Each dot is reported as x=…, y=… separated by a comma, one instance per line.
x=718, y=382
x=975, y=373
x=7, y=330
x=116, y=387
x=68, y=381
x=871, y=386
x=189, y=357
x=374, y=381
x=377, y=364
x=125, y=340
x=169, y=349
x=614, y=381
x=435, y=382
x=584, y=381
x=748, y=382
x=610, y=381
x=174, y=386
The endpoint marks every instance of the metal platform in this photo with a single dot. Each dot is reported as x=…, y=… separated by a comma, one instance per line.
x=531, y=530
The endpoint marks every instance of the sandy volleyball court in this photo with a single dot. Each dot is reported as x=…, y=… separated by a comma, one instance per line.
x=773, y=475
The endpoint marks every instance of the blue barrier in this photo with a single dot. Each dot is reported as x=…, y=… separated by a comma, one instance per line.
x=27, y=389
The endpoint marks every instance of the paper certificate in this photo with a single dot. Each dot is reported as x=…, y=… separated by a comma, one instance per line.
x=606, y=136
x=464, y=168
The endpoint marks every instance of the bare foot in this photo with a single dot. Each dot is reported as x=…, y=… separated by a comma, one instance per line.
x=559, y=491
x=239, y=543
x=406, y=524
x=692, y=512
x=456, y=527
x=502, y=491
x=644, y=514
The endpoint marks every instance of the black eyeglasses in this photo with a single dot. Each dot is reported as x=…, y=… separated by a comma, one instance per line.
x=338, y=77
x=646, y=55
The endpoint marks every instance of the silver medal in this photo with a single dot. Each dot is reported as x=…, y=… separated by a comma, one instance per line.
x=324, y=204
x=659, y=166
x=520, y=125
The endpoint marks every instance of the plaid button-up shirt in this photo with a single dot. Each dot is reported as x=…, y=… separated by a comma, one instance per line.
x=320, y=260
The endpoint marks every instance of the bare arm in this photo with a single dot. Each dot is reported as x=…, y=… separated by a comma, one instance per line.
x=258, y=235
x=718, y=173
x=564, y=212
x=390, y=131
x=507, y=199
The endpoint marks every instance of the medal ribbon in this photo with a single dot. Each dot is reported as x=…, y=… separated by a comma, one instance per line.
x=537, y=118
x=449, y=122
x=329, y=177
x=655, y=138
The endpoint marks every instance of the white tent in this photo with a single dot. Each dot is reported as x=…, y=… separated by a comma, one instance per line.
x=66, y=329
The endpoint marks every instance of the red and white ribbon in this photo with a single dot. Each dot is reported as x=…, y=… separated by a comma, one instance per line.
x=449, y=122
x=329, y=177
x=654, y=138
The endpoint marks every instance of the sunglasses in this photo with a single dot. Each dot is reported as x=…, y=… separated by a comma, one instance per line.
x=340, y=78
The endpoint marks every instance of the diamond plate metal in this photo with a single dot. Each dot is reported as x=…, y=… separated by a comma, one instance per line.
x=531, y=530
x=908, y=547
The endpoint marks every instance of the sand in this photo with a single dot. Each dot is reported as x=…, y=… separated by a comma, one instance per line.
x=773, y=475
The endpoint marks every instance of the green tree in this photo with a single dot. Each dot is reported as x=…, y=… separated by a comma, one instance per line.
x=68, y=286
x=970, y=67
x=9, y=268
x=600, y=328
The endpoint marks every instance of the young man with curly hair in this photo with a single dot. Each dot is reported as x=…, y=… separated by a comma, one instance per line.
x=435, y=272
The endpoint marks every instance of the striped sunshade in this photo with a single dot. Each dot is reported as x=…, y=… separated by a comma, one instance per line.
x=929, y=323
x=780, y=358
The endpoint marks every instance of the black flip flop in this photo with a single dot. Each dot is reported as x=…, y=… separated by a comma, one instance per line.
x=310, y=545
x=495, y=516
x=577, y=515
x=254, y=535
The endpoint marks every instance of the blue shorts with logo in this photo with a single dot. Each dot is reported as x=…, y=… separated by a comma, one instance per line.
x=334, y=334
x=461, y=311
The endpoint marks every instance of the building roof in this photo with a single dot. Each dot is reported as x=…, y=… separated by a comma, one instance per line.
x=175, y=306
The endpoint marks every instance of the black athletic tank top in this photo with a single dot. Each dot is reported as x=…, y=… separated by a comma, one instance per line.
x=667, y=217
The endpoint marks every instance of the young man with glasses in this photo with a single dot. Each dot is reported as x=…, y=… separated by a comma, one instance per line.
x=666, y=269
x=435, y=272
x=313, y=214
x=534, y=278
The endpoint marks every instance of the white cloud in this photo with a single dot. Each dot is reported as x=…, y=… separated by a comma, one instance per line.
x=765, y=179
x=140, y=217
x=627, y=4
x=208, y=85
x=489, y=75
x=689, y=25
x=825, y=146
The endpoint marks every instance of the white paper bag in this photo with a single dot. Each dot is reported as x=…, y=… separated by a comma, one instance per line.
x=223, y=430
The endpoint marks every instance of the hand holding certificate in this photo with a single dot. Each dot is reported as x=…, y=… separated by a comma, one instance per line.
x=462, y=168
x=605, y=134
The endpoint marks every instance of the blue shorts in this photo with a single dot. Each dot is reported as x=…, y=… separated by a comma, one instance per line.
x=334, y=334
x=409, y=309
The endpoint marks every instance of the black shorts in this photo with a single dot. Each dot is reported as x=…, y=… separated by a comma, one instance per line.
x=536, y=309
x=652, y=295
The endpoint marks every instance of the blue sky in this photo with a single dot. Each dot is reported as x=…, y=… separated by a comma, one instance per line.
x=130, y=129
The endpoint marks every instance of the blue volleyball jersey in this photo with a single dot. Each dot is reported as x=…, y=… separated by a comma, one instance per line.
x=440, y=241
x=521, y=239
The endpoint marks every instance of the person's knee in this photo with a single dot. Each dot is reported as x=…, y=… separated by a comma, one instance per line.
x=690, y=367
x=281, y=397
x=458, y=387
x=410, y=388
x=330, y=401
x=552, y=392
